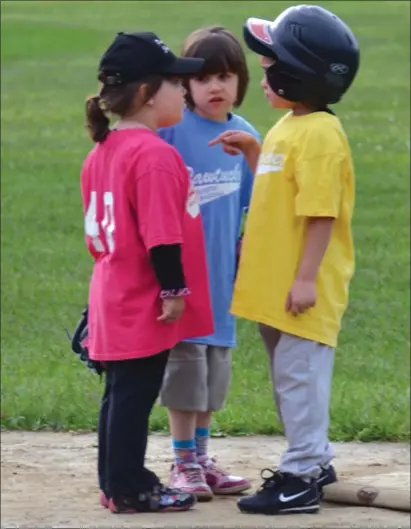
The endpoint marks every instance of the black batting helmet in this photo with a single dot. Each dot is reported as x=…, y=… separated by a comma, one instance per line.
x=316, y=54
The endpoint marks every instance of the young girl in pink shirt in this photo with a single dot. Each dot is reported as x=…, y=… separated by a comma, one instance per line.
x=149, y=286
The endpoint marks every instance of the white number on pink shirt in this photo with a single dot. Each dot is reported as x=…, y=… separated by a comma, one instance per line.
x=108, y=224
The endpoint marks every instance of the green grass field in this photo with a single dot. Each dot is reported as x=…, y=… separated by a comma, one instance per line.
x=50, y=52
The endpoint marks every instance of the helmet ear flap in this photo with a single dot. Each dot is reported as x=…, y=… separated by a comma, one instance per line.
x=284, y=84
x=296, y=90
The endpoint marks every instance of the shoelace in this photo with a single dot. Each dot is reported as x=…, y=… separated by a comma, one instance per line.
x=274, y=478
x=193, y=474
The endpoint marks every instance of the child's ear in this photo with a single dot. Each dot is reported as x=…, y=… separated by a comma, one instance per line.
x=144, y=93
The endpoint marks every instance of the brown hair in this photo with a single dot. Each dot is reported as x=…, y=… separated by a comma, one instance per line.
x=222, y=53
x=119, y=100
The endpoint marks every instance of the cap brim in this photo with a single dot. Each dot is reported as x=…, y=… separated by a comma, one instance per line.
x=185, y=66
x=257, y=36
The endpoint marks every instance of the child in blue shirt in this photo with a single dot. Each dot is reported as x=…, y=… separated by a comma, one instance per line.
x=198, y=373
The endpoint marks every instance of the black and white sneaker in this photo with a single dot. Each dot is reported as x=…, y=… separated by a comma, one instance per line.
x=328, y=475
x=282, y=494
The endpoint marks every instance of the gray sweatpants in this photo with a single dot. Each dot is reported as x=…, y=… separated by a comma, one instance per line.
x=301, y=372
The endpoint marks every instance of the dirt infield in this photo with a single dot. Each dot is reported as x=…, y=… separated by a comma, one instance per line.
x=49, y=479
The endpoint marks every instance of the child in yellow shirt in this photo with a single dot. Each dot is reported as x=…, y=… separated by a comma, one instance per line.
x=298, y=256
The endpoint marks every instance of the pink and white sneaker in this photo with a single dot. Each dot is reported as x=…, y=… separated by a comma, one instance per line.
x=190, y=478
x=219, y=480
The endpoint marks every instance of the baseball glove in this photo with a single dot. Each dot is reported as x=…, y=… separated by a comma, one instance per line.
x=78, y=344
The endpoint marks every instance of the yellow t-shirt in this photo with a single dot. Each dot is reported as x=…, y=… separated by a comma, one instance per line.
x=305, y=170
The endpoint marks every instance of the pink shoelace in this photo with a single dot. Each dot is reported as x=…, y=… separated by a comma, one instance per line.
x=193, y=474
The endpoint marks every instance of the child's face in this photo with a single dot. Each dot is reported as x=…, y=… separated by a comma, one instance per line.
x=275, y=100
x=168, y=103
x=214, y=95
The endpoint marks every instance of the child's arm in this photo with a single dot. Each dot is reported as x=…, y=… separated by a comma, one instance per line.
x=319, y=232
x=320, y=181
x=303, y=294
x=168, y=267
x=252, y=153
x=247, y=179
x=159, y=197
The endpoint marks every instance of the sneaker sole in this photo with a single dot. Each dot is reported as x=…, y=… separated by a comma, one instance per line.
x=306, y=509
x=167, y=509
x=113, y=509
x=203, y=496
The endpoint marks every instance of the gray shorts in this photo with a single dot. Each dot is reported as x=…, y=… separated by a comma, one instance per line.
x=197, y=378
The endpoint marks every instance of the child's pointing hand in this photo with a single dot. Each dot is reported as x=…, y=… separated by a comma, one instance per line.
x=235, y=142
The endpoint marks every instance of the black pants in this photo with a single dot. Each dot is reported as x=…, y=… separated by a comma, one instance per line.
x=132, y=387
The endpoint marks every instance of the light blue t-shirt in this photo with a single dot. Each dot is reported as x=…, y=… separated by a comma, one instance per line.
x=224, y=184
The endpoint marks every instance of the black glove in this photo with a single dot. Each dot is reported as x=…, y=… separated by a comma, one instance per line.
x=80, y=334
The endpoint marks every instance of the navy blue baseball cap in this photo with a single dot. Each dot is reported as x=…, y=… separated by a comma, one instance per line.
x=133, y=56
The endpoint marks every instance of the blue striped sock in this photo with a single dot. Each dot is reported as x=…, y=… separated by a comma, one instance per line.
x=202, y=437
x=184, y=451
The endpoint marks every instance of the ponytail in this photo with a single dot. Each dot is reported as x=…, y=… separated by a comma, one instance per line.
x=97, y=122
x=117, y=100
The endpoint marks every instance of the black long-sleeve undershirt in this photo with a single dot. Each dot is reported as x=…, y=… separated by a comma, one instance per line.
x=168, y=267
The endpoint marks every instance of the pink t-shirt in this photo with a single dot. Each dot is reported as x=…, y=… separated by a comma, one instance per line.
x=137, y=194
